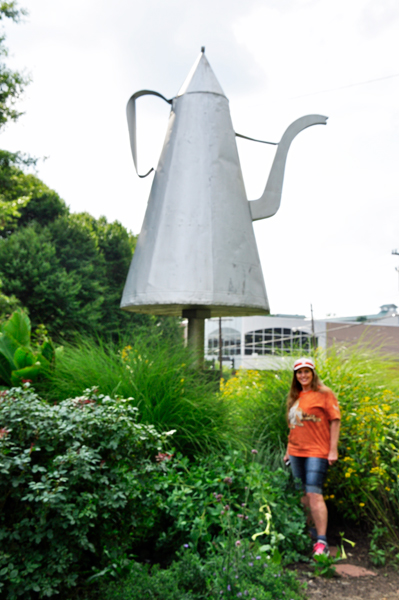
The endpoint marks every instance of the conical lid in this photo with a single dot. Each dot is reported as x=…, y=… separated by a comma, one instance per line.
x=201, y=78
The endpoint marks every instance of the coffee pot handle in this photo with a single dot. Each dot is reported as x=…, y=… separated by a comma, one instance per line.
x=131, y=122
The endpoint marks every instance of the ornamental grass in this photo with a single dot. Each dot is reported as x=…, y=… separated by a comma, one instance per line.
x=157, y=376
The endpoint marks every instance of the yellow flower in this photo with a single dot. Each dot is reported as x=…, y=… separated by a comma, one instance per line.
x=361, y=504
x=125, y=352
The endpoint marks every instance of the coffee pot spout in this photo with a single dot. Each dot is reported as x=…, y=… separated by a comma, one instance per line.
x=268, y=204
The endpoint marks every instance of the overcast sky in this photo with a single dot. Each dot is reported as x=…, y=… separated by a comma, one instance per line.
x=330, y=243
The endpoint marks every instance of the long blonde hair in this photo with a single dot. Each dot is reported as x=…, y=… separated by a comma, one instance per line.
x=293, y=395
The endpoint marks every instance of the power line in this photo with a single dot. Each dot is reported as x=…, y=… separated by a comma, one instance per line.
x=344, y=87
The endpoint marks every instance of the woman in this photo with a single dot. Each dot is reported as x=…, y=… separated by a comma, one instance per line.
x=314, y=419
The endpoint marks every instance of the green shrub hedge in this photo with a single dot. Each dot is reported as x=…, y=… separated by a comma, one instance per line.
x=248, y=575
x=85, y=490
x=73, y=488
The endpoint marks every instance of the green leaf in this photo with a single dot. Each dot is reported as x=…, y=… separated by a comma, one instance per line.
x=7, y=348
x=23, y=357
x=47, y=350
x=18, y=327
x=44, y=363
x=276, y=557
x=5, y=370
x=31, y=373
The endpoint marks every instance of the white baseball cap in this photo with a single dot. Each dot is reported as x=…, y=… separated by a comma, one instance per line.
x=304, y=362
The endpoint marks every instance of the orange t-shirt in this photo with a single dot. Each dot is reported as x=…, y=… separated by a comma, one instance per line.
x=309, y=422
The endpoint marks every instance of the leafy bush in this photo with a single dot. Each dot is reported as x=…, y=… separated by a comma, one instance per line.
x=185, y=579
x=160, y=380
x=8, y=304
x=247, y=574
x=219, y=500
x=74, y=488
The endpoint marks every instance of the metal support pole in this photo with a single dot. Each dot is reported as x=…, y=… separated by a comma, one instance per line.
x=220, y=349
x=196, y=332
x=313, y=334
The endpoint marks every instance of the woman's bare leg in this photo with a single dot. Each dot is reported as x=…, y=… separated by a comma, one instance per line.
x=318, y=511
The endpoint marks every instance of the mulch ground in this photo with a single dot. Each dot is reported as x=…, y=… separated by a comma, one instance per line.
x=356, y=577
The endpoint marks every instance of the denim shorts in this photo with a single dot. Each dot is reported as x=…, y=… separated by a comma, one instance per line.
x=311, y=471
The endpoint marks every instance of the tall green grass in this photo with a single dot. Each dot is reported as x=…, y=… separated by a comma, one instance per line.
x=257, y=402
x=159, y=379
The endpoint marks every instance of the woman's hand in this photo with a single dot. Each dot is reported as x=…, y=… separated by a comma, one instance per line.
x=334, y=435
x=332, y=457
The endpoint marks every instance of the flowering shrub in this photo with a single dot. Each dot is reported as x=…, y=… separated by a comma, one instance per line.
x=74, y=488
x=364, y=483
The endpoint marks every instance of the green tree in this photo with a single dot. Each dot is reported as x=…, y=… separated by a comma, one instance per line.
x=68, y=270
x=32, y=272
x=19, y=190
x=8, y=304
x=12, y=83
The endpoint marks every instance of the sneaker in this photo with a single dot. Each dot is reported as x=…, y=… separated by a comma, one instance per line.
x=321, y=548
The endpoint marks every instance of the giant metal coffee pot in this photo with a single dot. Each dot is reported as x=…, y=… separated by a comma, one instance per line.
x=196, y=255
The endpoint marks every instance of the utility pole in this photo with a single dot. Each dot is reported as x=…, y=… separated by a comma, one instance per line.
x=313, y=334
x=220, y=349
x=396, y=253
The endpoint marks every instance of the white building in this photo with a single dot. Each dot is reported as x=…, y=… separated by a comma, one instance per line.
x=267, y=342
x=263, y=342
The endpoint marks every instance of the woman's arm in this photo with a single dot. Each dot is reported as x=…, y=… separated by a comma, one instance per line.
x=334, y=436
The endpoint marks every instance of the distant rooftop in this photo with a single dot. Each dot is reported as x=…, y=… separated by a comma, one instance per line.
x=386, y=310
x=282, y=316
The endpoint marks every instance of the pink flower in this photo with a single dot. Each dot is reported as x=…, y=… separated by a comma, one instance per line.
x=161, y=456
x=3, y=432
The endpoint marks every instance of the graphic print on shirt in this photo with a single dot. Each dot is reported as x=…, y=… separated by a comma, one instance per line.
x=296, y=416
